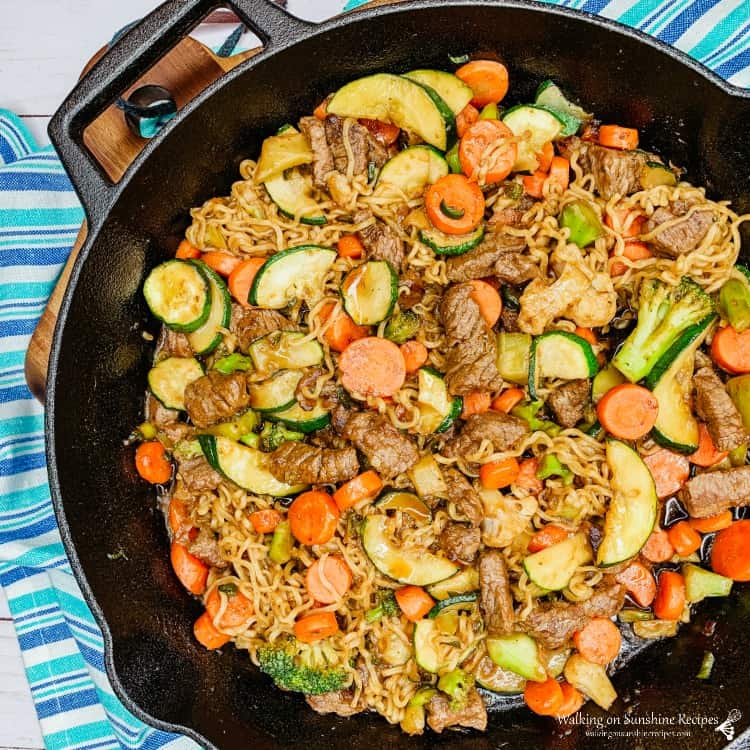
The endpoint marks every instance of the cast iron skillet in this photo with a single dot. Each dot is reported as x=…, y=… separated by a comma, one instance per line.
x=99, y=358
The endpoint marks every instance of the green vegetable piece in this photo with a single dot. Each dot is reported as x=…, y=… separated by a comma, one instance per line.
x=459, y=59
x=147, y=431
x=707, y=665
x=528, y=411
x=634, y=615
x=230, y=589
x=739, y=391
x=450, y=211
x=664, y=312
x=700, y=583
x=252, y=439
x=738, y=455
x=281, y=544
x=457, y=685
x=387, y=606
x=403, y=326
x=734, y=304
x=423, y=696
x=232, y=363
x=513, y=353
x=605, y=380
x=454, y=163
x=414, y=715
x=655, y=173
x=551, y=467
x=583, y=222
x=490, y=112
x=187, y=449
x=518, y=653
x=274, y=434
x=304, y=669
x=509, y=297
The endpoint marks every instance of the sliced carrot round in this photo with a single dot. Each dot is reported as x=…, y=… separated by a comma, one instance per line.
x=639, y=582
x=546, y=537
x=265, y=521
x=466, y=118
x=372, y=367
x=559, y=172
x=383, y=132
x=316, y=626
x=544, y=698
x=684, y=538
x=545, y=156
x=670, y=596
x=712, y=523
x=527, y=477
x=616, y=136
x=191, y=572
x=533, y=184
x=313, y=517
x=186, y=251
x=415, y=355
x=152, y=463
x=707, y=454
x=487, y=79
x=599, y=641
x=730, y=555
x=658, y=548
x=633, y=251
x=454, y=204
x=489, y=301
x=476, y=402
x=731, y=350
x=488, y=139
x=328, y=582
x=242, y=277
x=207, y=634
x=221, y=262
x=365, y=486
x=508, y=399
x=670, y=471
x=628, y=411
x=572, y=701
x=238, y=611
x=626, y=221
x=495, y=475
x=414, y=602
x=342, y=330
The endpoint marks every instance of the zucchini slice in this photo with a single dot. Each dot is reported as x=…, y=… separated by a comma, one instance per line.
x=518, y=653
x=293, y=193
x=425, y=653
x=411, y=171
x=560, y=354
x=605, y=380
x=296, y=272
x=370, y=292
x=550, y=95
x=427, y=477
x=205, y=339
x=275, y=394
x=437, y=410
x=296, y=418
x=246, y=467
x=450, y=88
x=457, y=603
x=553, y=567
x=655, y=173
x=670, y=380
x=496, y=679
x=169, y=378
x=389, y=98
x=534, y=126
x=464, y=581
x=406, y=502
x=632, y=511
x=513, y=352
x=451, y=244
x=178, y=294
x=406, y=566
x=285, y=350
x=281, y=152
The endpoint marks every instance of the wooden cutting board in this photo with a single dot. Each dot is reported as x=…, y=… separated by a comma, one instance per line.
x=185, y=71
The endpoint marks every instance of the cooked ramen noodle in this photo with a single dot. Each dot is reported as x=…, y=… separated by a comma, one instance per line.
x=426, y=379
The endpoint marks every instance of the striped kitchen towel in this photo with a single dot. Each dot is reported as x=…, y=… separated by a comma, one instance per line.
x=39, y=220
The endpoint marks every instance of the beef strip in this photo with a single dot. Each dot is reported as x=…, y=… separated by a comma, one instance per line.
x=172, y=344
x=440, y=714
x=509, y=320
x=472, y=348
x=460, y=542
x=410, y=288
x=389, y=451
x=511, y=215
x=499, y=250
x=206, y=548
x=339, y=703
x=197, y=475
x=682, y=237
x=502, y=430
x=381, y=241
x=249, y=324
x=496, y=600
x=357, y=141
x=166, y=421
x=714, y=406
x=323, y=163
x=466, y=498
x=553, y=623
x=298, y=463
x=216, y=397
x=569, y=402
x=715, y=491
x=328, y=396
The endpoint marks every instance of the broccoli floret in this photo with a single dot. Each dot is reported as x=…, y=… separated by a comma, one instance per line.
x=663, y=314
x=387, y=606
x=457, y=684
x=402, y=326
x=274, y=434
x=300, y=667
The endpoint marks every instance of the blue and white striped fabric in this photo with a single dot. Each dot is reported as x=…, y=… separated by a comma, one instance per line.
x=39, y=220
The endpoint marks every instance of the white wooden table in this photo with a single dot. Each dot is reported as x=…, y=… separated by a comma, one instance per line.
x=44, y=44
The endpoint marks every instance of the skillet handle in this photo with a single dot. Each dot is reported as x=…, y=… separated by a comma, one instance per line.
x=125, y=62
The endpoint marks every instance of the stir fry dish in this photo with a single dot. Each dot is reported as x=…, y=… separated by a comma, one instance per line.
x=450, y=396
